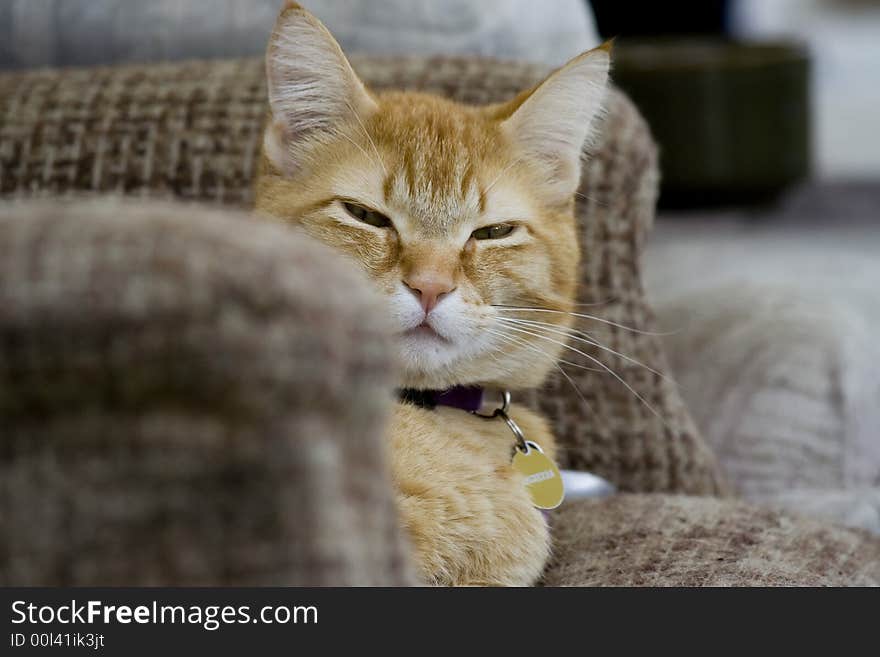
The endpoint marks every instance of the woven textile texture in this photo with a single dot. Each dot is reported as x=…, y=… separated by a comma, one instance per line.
x=182, y=405
x=666, y=540
x=193, y=131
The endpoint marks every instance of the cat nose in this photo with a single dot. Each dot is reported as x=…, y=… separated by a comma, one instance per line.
x=429, y=289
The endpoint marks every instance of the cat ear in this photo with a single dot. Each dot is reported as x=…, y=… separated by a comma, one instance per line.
x=313, y=90
x=553, y=122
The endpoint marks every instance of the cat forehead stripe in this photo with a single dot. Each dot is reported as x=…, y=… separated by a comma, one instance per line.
x=438, y=203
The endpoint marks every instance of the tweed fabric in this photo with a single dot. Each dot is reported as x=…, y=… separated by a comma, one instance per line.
x=193, y=131
x=668, y=540
x=182, y=404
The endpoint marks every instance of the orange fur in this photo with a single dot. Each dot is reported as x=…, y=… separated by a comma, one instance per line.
x=439, y=171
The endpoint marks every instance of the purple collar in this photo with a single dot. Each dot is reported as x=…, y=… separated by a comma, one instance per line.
x=467, y=398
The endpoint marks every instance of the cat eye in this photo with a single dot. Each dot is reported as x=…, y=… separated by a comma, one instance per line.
x=366, y=215
x=493, y=232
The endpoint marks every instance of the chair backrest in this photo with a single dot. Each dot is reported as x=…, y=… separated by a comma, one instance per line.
x=193, y=131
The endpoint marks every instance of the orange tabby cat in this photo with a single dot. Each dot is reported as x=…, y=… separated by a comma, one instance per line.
x=452, y=211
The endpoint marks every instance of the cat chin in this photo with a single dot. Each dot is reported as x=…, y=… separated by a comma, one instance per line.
x=438, y=368
x=427, y=359
x=458, y=347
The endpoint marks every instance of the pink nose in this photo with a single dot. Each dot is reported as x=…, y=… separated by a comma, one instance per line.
x=429, y=289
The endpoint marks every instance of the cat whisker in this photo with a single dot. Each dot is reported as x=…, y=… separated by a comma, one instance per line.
x=369, y=138
x=563, y=301
x=497, y=179
x=581, y=316
x=361, y=149
x=514, y=340
x=493, y=354
x=600, y=364
x=592, y=199
x=574, y=385
x=574, y=334
x=550, y=357
x=596, y=303
x=556, y=362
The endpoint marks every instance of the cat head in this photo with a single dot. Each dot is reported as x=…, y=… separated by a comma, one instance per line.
x=457, y=214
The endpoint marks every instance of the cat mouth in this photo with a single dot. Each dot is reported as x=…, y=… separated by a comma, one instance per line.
x=425, y=330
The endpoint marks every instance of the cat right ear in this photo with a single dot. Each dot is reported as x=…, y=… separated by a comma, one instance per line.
x=313, y=91
x=552, y=122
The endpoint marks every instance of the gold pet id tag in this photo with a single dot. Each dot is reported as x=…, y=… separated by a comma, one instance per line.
x=542, y=478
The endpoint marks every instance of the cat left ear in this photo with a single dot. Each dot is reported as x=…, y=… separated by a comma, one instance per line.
x=554, y=121
x=313, y=91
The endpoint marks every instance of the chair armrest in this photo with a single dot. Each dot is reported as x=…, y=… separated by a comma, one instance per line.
x=188, y=397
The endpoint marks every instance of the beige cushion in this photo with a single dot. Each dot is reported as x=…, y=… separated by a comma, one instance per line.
x=664, y=540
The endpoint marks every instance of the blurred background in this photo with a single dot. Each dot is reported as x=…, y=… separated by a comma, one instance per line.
x=765, y=261
x=737, y=123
